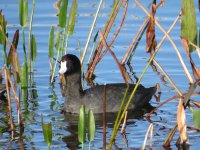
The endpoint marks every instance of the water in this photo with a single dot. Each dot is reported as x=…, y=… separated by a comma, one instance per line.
x=50, y=101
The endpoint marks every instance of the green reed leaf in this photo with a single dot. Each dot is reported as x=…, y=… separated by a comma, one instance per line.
x=47, y=131
x=63, y=13
x=3, y=25
x=196, y=118
x=23, y=12
x=72, y=18
x=58, y=39
x=91, y=126
x=51, y=43
x=81, y=125
x=24, y=76
x=33, y=48
x=188, y=22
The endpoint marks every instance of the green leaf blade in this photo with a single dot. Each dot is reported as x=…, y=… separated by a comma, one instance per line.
x=188, y=22
x=23, y=12
x=51, y=43
x=91, y=126
x=58, y=39
x=47, y=132
x=33, y=48
x=63, y=13
x=3, y=25
x=196, y=118
x=24, y=76
x=72, y=18
x=81, y=125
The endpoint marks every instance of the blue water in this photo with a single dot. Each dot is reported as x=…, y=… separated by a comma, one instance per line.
x=50, y=101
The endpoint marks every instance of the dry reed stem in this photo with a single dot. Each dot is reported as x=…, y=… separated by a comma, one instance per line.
x=181, y=121
x=172, y=42
x=17, y=102
x=170, y=136
x=97, y=53
x=118, y=30
x=161, y=104
x=195, y=103
x=9, y=104
x=113, y=55
x=151, y=138
x=195, y=46
x=134, y=41
x=137, y=35
x=145, y=139
x=124, y=123
x=169, y=79
x=104, y=117
x=158, y=46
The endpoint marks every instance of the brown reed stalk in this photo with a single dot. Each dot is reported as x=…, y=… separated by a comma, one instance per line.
x=142, y=27
x=169, y=79
x=170, y=136
x=9, y=104
x=134, y=40
x=158, y=47
x=118, y=29
x=21, y=123
x=161, y=104
x=104, y=117
x=97, y=53
x=172, y=42
x=121, y=68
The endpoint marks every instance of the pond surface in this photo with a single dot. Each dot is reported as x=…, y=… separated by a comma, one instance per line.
x=50, y=101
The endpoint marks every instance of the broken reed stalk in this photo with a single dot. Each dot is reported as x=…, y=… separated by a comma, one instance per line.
x=91, y=31
x=150, y=129
x=104, y=117
x=118, y=30
x=107, y=29
x=113, y=55
x=9, y=104
x=172, y=42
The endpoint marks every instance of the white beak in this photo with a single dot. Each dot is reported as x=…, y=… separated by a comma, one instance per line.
x=63, y=67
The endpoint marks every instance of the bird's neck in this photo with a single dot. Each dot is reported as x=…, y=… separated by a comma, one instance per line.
x=73, y=85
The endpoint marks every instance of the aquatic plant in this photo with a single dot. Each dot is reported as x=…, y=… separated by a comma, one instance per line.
x=82, y=126
x=47, y=132
x=22, y=73
x=67, y=26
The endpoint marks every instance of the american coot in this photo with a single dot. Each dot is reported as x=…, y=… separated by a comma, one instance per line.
x=92, y=97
